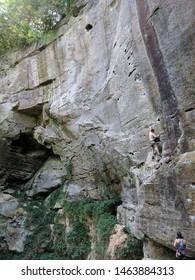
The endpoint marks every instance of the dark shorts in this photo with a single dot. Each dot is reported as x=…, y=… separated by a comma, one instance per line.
x=153, y=143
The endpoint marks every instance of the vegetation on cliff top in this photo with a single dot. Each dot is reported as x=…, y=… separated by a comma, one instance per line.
x=25, y=21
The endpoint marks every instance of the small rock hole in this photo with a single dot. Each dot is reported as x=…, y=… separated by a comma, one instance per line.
x=88, y=27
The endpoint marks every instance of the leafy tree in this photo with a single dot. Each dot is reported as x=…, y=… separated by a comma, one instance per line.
x=24, y=21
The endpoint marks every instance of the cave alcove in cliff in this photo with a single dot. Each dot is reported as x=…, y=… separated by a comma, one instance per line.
x=20, y=159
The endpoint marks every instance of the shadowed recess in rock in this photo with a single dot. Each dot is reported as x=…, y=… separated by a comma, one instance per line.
x=20, y=159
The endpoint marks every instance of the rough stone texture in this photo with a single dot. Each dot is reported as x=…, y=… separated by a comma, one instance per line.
x=8, y=204
x=68, y=192
x=12, y=233
x=49, y=177
x=117, y=241
x=91, y=96
x=153, y=251
x=20, y=159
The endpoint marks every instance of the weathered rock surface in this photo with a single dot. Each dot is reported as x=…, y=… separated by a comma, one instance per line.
x=91, y=96
x=117, y=241
x=11, y=223
x=49, y=177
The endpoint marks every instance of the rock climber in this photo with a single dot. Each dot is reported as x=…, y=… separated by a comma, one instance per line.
x=153, y=142
x=180, y=245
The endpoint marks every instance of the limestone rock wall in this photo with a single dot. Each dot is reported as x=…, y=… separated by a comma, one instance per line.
x=90, y=97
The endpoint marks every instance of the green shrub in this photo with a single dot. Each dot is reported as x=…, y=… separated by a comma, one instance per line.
x=37, y=224
x=76, y=244
x=105, y=228
x=59, y=241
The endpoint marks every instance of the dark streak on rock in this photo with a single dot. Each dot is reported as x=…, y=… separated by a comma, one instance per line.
x=132, y=72
x=47, y=82
x=169, y=102
x=190, y=109
x=155, y=11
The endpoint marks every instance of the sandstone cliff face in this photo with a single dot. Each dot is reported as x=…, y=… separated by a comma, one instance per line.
x=75, y=117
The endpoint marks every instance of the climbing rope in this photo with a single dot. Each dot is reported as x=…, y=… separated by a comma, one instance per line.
x=191, y=245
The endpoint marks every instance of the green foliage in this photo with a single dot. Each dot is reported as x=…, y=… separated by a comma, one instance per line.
x=89, y=208
x=9, y=255
x=25, y=21
x=105, y=228
x=2, y=223
x=37, y=224
x=75, y=244
x=48, y=256
x=68, y=237
x=61, y=193
x=60, y=240
x=79, y=241
x=103, y=215
x=132, y=251
x=69, y=169
x=53, y=197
